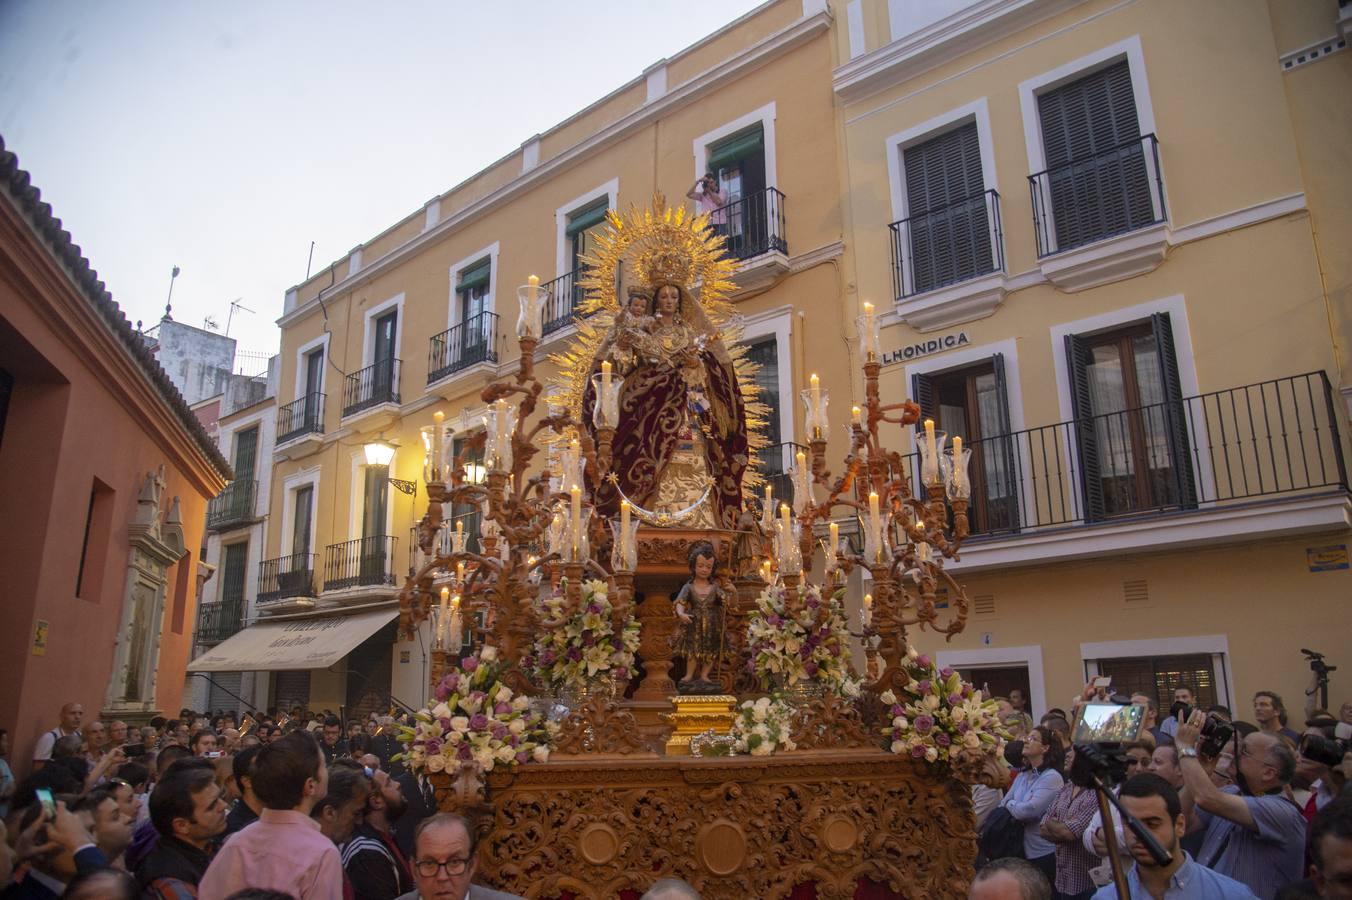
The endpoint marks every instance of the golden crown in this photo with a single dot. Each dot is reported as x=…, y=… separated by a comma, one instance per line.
x=664, y=265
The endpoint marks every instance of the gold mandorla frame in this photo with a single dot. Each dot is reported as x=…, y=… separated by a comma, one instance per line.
x=656, y=244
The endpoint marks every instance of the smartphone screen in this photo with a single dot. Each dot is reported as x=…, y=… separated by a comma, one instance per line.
x=1103, y=681
x=48, y=804
x=1108, y=722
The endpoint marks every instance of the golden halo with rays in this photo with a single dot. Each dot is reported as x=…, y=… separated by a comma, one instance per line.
x=660, y=243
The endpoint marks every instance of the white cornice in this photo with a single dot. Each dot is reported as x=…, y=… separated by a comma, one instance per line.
x=965, y=30
x=759, y=54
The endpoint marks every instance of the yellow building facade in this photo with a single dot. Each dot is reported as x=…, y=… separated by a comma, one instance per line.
x=1107, y=245
x=1111, y=238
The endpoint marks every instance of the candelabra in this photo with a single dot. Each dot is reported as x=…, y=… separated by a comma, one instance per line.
x=531, y=524
x=906, y=537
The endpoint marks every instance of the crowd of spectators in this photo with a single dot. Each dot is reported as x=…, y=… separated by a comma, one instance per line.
x=258, y=807
x=1265, y=813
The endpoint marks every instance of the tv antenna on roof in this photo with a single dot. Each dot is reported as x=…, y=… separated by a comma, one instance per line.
x=234, y=305
x=210, y=324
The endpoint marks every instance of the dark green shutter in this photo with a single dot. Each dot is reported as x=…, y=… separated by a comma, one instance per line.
x=1086, y=440
x=246, y=454
x=922, y=391
x=738, y=146
x=1175, y=417
x=583, y=219
x=946, y=209
x=230, y=612
x=1096, y=190
x=376, y=501
x=300, y=526
x=474, y=276
x=1004, y=508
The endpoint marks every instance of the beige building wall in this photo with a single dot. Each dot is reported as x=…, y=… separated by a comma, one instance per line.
x=1251, y=264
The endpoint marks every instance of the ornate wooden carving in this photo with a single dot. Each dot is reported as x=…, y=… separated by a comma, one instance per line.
x=830, y=722
x=658, y=620
x=733, y=827
x=600, y=728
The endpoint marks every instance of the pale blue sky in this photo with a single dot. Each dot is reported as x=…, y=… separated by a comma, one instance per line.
x=224, y=137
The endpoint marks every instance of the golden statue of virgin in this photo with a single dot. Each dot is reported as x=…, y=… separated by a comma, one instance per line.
x=688, y=416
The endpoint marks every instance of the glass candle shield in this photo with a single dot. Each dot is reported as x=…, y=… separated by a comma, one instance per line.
x=868, y=336
x=931, y=448
x=606, y=413
x=955, y=472
x=530, y=319
x=816, y=402
x=624, y=551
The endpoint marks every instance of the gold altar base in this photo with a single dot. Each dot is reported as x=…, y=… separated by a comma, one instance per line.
x=695, y=715
x=734, y=827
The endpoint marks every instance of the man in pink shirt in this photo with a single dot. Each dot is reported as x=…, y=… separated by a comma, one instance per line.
x=284, y=850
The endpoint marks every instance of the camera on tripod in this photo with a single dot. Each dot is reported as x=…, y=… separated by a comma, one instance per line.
x=1100, y=731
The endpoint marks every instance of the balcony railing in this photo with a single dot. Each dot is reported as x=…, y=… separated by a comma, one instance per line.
x=472, y=341
x=286, y=577
x=1265, y=440
x=219, y=620
x=364, y=562
x=563, y=296
x=301, y=417
x=1108, y=193
x=376, y=384
x=941, y=247
x=753, y=225
x=233, y=506
x=777, y=461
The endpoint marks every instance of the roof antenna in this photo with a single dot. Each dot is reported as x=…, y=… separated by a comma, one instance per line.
x=168, y=303
x=234, y=305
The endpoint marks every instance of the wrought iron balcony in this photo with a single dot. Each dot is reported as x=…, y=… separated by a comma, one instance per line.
x=286, y=577
x=472, y=341
x=563, y=296
x=754, y=225
x=1267, y=440
x=218, y=621
x=234, y=506
x=1108, y=193
x=301, y=417
x=376, y=384
x=942, y=247
x=364, y=562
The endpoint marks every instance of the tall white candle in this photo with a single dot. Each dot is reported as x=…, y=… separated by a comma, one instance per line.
x=875, y=523
x=929, y=439
x=957, y=462
x=856, y=417
x=835, y=544
x=784, y=514
x=816, y=384
x=443, y=619
x=438, y=418
x=576, y=508
x=867, y=611
x=625, y=513
x=457, y=639
x=605, y=378
x=533, y=288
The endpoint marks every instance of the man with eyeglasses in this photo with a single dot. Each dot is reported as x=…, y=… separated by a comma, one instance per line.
x=444, y=863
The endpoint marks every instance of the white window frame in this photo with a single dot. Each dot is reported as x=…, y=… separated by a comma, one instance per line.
x=1029, y=91
x=779, y=323
x=290, y=484
x=1177, y=309
x=766, y=117
x=1217, y=645
x=977, y=111
x=304, y=350
x=1003, y=657
x=490, y=298
x=368, y=348
x=610, y=190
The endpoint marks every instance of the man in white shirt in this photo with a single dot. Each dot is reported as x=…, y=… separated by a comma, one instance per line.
x=72, y=715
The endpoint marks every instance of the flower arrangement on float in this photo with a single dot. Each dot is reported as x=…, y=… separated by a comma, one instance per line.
x=763, y=726
x=477, y=723
x=939, y=716
x=576, y=647
x=807, y=644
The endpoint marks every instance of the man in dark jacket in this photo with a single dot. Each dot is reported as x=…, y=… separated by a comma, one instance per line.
x=375, y=866
x=248, y=805
x=189, y=814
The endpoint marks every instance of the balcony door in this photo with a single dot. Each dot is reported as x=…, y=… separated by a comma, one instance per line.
x=228, y=616
x=472, y=297
x=245, y=465
x=382, y=378
x=1095, y=158
x=298, y=572
x=973, y=403
x=738, y=162
x=314, y=385
x=468, y=513
x=375, y=518
x=1130, y=420
x=949, y=232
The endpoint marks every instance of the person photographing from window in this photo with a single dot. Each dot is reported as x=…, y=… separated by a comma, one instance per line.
x=710, y=199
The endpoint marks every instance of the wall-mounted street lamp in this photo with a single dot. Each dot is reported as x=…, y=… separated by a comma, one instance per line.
x=379, y=453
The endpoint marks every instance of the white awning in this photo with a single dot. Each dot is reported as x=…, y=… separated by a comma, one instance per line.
x=300, y=644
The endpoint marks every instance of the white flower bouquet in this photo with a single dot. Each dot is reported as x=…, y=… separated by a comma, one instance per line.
x=939, y=716
x=810, y=644
x=578, y=646
x=764, y=726
x=476, y=722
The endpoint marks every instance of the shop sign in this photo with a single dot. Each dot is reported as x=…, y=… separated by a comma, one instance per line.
x=926, y=348
x=1326, y=559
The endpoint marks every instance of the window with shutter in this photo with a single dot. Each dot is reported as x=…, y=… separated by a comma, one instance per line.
x=1130, y=421
x=972, y=402
x=949, y=231
x=1096, y=174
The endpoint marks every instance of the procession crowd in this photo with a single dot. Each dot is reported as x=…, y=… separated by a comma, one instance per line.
x=1243, y=808
x=303, y=805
